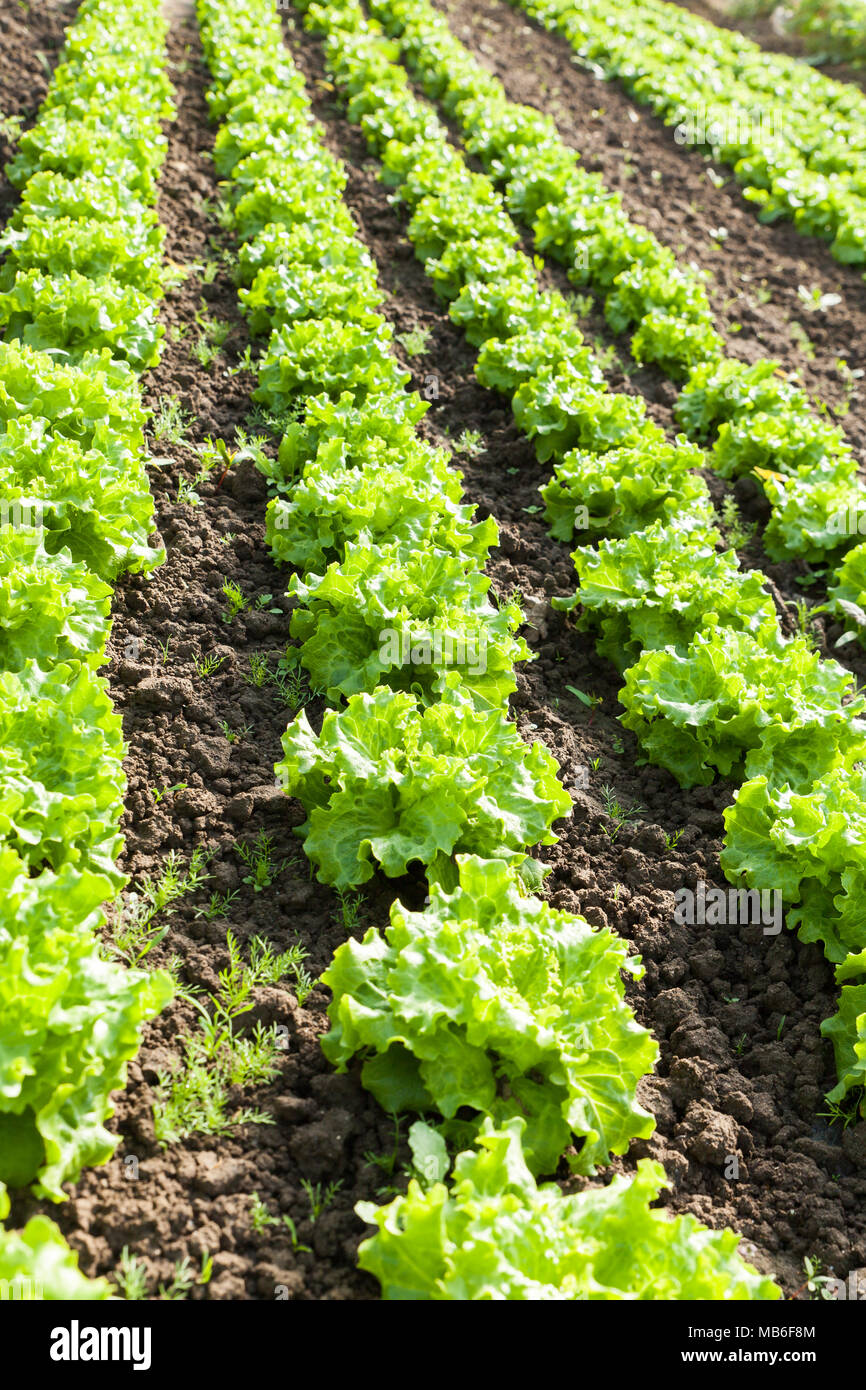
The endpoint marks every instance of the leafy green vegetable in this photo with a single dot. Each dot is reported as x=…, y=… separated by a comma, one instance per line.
x=808, y=843
x=51, y=609
x=495, y=1235
x=493, y=1000
x=36, y=1263
x=395, y=616
x=660, y=586
x=639, y=484
x=847, y=597
x=326, y=355
x=703, y=712
x=390, y=782
x=69, y=1021
x=61, y=779
x=410, y=497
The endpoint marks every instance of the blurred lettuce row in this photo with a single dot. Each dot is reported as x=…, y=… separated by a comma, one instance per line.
x=834, y=29
x=79, y=294
x=494, y=1234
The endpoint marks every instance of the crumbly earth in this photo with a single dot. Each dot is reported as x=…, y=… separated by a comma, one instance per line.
x=743, y=1068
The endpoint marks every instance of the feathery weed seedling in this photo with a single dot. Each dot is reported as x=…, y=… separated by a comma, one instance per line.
x=318, y=1197
x=235, y=597
x=208, y=665
x=235, y=735
x=259, y=672
x=261, y=862
x=129, y=1278
x=351, y=904
x=170, y=421
x=469, y=443
x=135, y=933
x=218, y=906
x=619, y=814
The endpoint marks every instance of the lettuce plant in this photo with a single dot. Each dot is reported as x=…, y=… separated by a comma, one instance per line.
x=703, y=712
x=412, y=498
x=69, y=1022
x=809, y=843
x=493, y=1234
x=36, y=1262
x=493, y=1000
x=51, y=609
x=658, y=587
x=639, y=484
x=390, y=782
x=847, y=597
x=61, y=775
x=392, y=615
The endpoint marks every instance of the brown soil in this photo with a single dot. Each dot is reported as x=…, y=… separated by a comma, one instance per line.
x=735, y=1076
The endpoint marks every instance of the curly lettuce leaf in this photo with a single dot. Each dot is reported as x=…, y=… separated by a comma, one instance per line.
x=61, y=774
x=36, y=1263
x=388, y=782
x=703, y=712
x=502, y=1004
x=493, y=1234
x=391, y=615
x=69, y=1022
x=660, y=586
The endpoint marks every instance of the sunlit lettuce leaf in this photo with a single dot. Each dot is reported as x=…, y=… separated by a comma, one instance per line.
x=503, y=1004
x=61, y=776
x=36, y=1263
x=390, y=782
x=69, y=1022
x=658, y=587
x=703, y=712
x=493, y=1234
x=51, y=609
x=393, y=615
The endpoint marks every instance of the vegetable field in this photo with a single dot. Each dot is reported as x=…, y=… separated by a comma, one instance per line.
x=432, y=627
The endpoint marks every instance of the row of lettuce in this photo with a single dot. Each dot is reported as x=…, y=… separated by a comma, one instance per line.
x=794, y=138
x=834, y=29
x=711, y=687
x=486, y=1001
x=79, y=294
x=623, y=586
x=758, y=421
